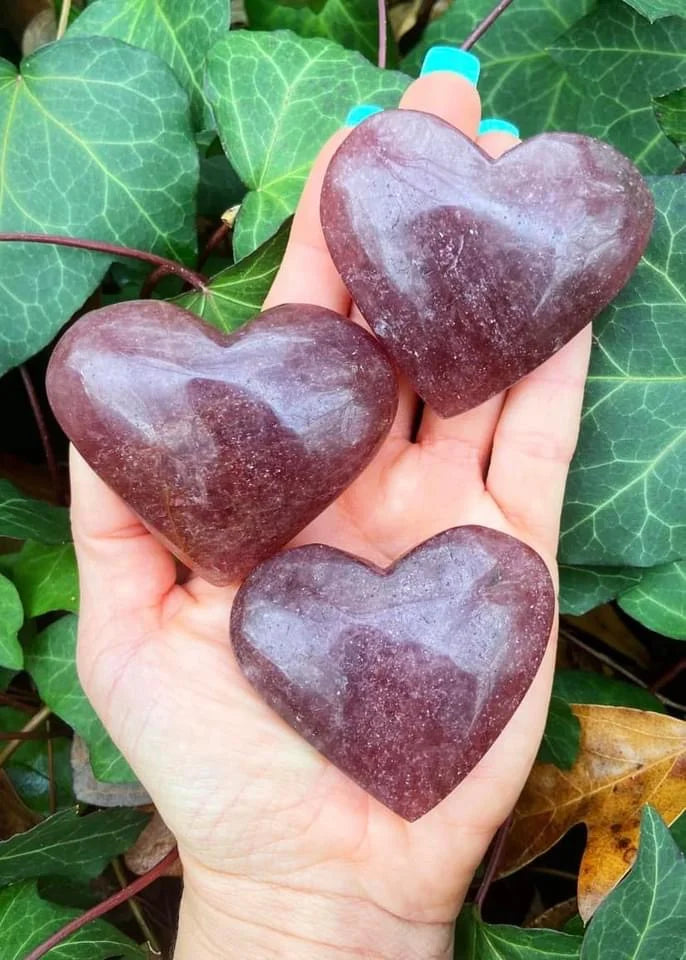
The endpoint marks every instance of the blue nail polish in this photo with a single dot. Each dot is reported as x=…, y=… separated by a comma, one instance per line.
x=493, y=125
x=454, y=61
x=358, y=114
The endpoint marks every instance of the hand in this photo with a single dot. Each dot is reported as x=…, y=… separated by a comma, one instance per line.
x=282, y=854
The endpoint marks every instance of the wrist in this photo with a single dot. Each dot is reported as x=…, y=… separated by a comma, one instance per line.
x=236, y=918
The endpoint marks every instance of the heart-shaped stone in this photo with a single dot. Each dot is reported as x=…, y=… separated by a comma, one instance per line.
x=402, y=677
x=473, y=271
x=225, y=446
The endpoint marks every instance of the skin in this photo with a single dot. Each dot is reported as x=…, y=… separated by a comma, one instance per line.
x=282, y=854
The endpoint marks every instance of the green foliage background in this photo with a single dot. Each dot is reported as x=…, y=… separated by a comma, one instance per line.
x=151, y=111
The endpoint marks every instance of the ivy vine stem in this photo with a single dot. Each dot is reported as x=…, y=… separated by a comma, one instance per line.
x=34, y=722
x=197, y=280
x=44, y=434
x=487, y=22
x=494, y=860
x=122, y=896
x=64, y=19
x=383, y=35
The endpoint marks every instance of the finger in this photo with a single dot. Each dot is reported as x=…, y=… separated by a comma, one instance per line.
x=535, y=441
x=463, y=443
x=122, y=566
x=307, y=273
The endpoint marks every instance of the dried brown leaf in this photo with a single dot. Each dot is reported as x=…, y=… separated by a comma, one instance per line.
x=605, y=624
x=89, y=790
x=15, y=817
x=154, y=843
x=627, y=758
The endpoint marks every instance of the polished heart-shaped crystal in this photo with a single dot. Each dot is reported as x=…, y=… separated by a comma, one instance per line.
x=402, y=678
x=225, y=446
x=473, y=271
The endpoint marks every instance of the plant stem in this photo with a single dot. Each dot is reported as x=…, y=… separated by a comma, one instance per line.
x=493, y=863
x=64, y=19
x=114, y=901
x=196, y=280
x=670, y=675
x=52, y=784
x=383, y=34
x=34, y=722
x=217, y=238
x=53, y=469
x=135, y=908
x=488, y=21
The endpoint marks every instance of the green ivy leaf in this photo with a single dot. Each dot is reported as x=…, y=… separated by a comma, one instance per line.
x=622, y=62
x=69, y=845
x=178, y=31
x=11, y=619
x=561, y=737
x=476, y=940
x=644, y=918
x=352, y=23
x=50, y=658
x=26, y=921
x=22, y=517
x=654, y=9
x=96, y=142
x=670, y=111
x=582, y=686
x=47, y=578
x=678, y=832
x=28, y=767
x=659, y=600
x=276, y=99
x=624, y=502
x=237, y=293
x=520, y=81
x=583, y=588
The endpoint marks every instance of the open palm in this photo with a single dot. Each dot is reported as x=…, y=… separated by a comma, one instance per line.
x=244, y=795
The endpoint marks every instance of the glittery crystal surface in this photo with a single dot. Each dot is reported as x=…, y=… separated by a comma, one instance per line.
x=225, y=446
x=403, y=678
x=474, y=271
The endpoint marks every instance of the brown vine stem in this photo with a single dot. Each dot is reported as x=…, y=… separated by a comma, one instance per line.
x=34, y=722
x=670, y=675
x=44, y=434
x=383, y=34
x=114, y=901
x=196, y=280
x=488, y=21
x=64, y=19
x=135, y=909
x=493, y=863
x=216, y=240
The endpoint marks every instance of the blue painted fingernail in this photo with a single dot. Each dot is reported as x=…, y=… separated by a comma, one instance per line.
x=493, y=125
x=454, y=61
x=358, y=114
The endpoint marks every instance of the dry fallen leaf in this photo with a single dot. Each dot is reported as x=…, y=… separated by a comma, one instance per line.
x=555, y=917
x=15, y=817
x=154, y=843
x=606, y=625
x=627, y=758
x=89, y=790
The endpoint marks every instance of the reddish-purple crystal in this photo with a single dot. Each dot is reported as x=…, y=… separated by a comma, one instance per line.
x=473, y=271
x=225, y=446
x=403, y=677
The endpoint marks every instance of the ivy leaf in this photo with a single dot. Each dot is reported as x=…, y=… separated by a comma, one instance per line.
x=50, y=658
x=96, y=142
x=670, y=111
x=584, y=588
x=11, y=619
x=678, y=832
x=624, y=499
x=276, y=99
x=46, y=578
x=237, y=293
x=22, y=517
x=26, y=921
x=179, y=32
x=659, y=600
x=645, y=917
x=622, y=62
x=352, y=23
x=519, y=80
x=560, y=743
x=476, y=940
x=654, y=9
x=69, y=845
x=28, y=768
x=582, y=686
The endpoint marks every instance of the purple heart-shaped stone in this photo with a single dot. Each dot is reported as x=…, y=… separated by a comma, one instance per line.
x=404, y=677
x=473, y=271
x=225, y=446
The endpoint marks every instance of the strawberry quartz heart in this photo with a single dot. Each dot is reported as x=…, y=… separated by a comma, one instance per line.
x=473, y=271
x=225, y=446
x=404, y=677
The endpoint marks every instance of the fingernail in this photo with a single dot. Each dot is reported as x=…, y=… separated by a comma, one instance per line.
x=454, y=61
x=358, y=114
x=493, y=125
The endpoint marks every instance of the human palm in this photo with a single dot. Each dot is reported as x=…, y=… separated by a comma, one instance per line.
x=244, y=795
